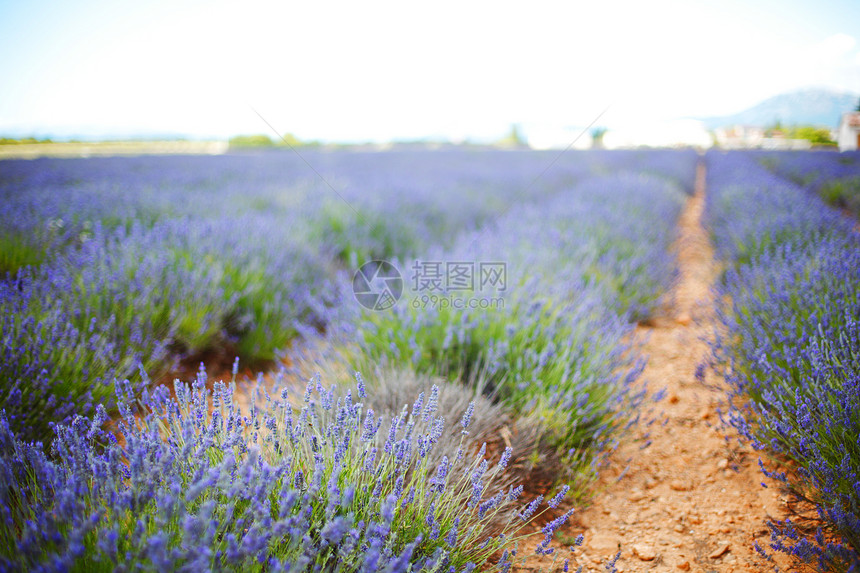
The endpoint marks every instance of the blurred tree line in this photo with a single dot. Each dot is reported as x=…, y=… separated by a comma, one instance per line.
x=262, y=140
x=22, y=140
x=815, y=135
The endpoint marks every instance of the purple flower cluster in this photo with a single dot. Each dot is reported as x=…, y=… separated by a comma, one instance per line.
x=150, y=296
x=834, y=176
x=812, y=170
x=792, y=345
x=755, y=210
x=678, y=166
x=198, y=483
x=118, y=261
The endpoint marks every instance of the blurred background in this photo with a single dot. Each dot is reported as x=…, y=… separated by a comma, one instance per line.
x=664, y=72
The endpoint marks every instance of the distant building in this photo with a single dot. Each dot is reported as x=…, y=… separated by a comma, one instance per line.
x=780, y=142
x=848, y=138
x=739, y=137
x=751, y=137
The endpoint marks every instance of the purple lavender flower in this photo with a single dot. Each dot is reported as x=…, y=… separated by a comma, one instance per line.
x=506, y=458
x=467, y=417
x=529, y=510
x=559, y=496
x=362, y=390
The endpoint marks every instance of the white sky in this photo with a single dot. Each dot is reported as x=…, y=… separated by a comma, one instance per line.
x=351, y=71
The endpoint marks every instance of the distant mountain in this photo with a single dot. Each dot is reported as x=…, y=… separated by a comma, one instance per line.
x=810, y=106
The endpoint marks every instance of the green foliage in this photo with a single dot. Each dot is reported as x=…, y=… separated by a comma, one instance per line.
x=514, y=138
x=21, y=248
x=816, y=135
x=292, y=141
x=260, y=140
x=241, y=302
x=257, y=318
x=356, y=237
x=843, y=193
x=535, y=357
x=23, y=140
x=18, y=251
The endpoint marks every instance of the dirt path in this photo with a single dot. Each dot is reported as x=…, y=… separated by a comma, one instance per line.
x=691, y=500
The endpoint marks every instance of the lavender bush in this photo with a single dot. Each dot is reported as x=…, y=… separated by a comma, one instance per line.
x=791, y=346
x=437, y=195
x=754, y=211
x=317, y=482
x=834, y=176
x=163, y=259
x=60, y=361
x=581, y=265
x=678, y=166
x=175, y=290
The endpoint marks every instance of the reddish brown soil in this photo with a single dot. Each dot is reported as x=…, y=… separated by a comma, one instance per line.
x=692, y=500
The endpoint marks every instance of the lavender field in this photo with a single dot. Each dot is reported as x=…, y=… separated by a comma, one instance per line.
x=468, y=391
x=834, y=176
x=791, y=345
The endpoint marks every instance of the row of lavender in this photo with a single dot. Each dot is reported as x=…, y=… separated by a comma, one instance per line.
x=834, y=176
x=792, y=345
x=152, y=260
x=125, y=261
x=372, y=477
